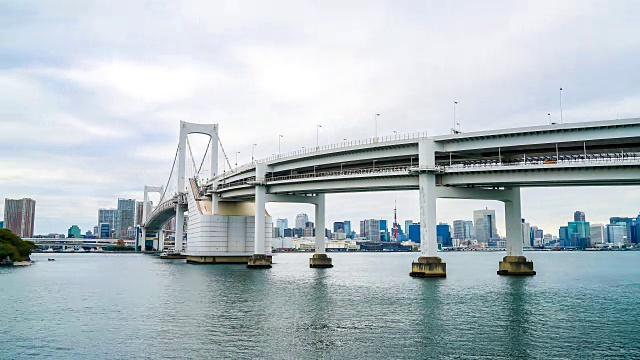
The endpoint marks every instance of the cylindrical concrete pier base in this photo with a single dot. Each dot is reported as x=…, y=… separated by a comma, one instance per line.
x=428, y=266
x=320, y=261
x=258, y=261
x=515, y=265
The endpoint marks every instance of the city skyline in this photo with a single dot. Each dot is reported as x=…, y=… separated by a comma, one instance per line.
x=106, y=120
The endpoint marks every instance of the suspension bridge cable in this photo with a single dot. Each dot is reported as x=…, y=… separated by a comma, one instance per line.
x=191, y=153
x=170, y=174
x=204, y=156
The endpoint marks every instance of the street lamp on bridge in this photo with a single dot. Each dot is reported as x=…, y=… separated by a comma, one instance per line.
x=317, y=135
x=279, y=137
x=252, y=149
x=237, y=152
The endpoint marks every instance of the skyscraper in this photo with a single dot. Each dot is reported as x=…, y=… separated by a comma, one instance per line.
x=597, y=234
x=485, y=224
x=19, y=216
x=460, y=230
x=616, y=233
x=107, y=216
x=338, y=226
x=301, y=220
x=74, y=232
x=443, y=234
x=579, y=216
x=125, y=217
x=370, y=229
x=281, y=224
x=347, y=228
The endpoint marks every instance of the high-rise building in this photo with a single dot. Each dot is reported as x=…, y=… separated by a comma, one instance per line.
x=125, y=217
x=630, y=224
x=579, y=216
x=443, y=234
x=104, y=230
x=347, y=228
x=1, y=224
x=526, y=233
x=140, y=211
x=471, y=231
x=281, y=224
x=338, y=226
x=301, y=220
x=19, y=216
x=485, y=225
x=597, y=234
x=370, y=229
x=384, y=230
x=578, y=233
x=107, y=216
x=563, y=236
x=74, y=232
x=407, y=223
x=616, y=233
x=460, y=230
x=414, y=232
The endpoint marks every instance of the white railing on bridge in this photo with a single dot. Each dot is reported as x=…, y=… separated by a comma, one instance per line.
x=315, y=149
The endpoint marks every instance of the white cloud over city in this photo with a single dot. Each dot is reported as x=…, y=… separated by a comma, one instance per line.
x=92, y=92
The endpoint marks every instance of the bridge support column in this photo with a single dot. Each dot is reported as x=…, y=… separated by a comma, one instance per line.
x=179, y=234
x=320, y=258
x=515, y=263
x=428, y=264
x=160, y=240
x=259, y=260
x=143, y=239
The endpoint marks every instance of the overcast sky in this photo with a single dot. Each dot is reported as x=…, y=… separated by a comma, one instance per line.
x=92, y=91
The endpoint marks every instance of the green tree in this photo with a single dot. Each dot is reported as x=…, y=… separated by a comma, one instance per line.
x=14, y=247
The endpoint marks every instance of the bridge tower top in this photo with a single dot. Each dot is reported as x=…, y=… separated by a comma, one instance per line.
x=187, y=128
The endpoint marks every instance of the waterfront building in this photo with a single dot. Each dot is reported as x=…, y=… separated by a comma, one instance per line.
x=407, y=223
x=460, y=230
x=384, y=230
x=107, y=216
x=309, y=229
x=443, y=233
x=578, y=233
x=140, y=211
x=347, y=228
x=370, y=229
x=104, y=230
x=74, y=232
x=485, y=225
x=414, y=232
x=19, y=216
x=470, y=230
x=338, y=226
x=563, y=236
x=630, y=227
x=281, y=225
x=616, y=233
x=288, y=233
x=301, y=220
x=1, y=224
x=125, y=217
x=578, y=216
x=526, y=233
x=597, y=234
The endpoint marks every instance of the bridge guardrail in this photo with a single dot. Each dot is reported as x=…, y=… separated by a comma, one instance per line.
x=378, y=170
x=314, y=149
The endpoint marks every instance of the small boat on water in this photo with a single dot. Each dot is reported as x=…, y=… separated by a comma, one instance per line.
x=50, y=259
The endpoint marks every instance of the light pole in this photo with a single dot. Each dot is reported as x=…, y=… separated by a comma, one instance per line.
x=252, y=148
x=317, y=135
x=237, y=152
x=341, y=167
x=375, y=119
x=374, y=164
x=549, y=114
x=279, y=137
x=395, y=134
x=561, y=106
x=454, y=116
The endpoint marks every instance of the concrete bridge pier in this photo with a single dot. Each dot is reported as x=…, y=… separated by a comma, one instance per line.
x=179, y=234
x=428, y=264
x=143, y=239
x=515, y=263
x=259, y=260
x=160, y=239
x=320, y=258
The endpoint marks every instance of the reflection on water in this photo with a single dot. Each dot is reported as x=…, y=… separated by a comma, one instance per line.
x=107, y=306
